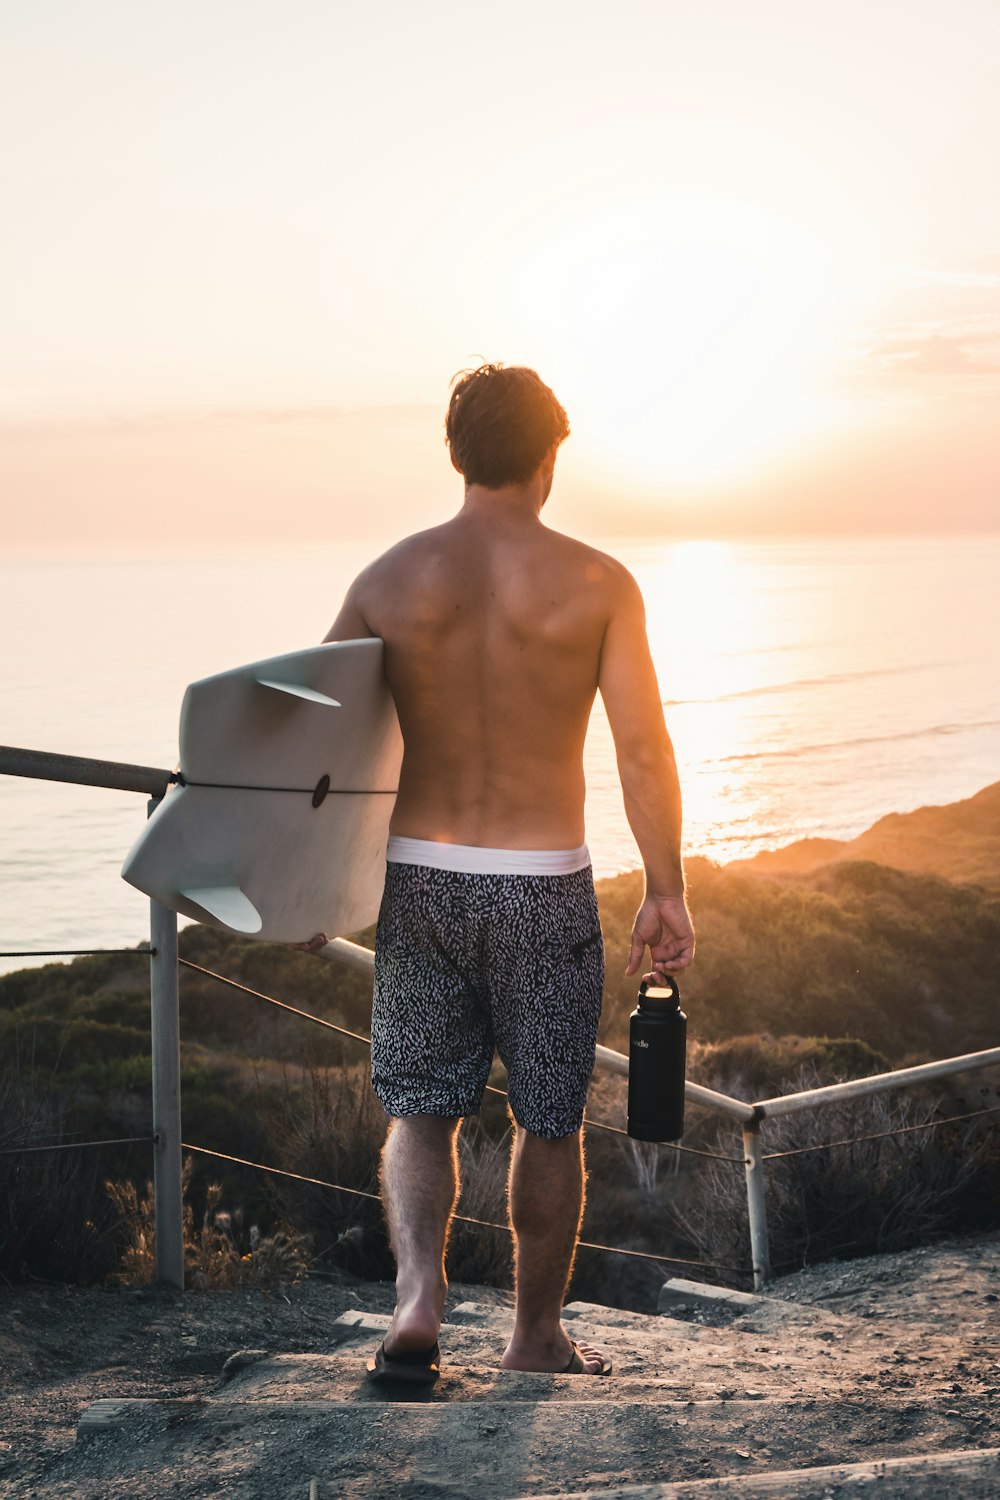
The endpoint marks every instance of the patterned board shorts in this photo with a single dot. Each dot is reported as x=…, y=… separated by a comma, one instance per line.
x=465, y=963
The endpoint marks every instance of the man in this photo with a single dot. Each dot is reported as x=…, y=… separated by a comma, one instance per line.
x=498, y=633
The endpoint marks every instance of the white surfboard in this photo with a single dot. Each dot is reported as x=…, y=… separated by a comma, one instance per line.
x=278, y=825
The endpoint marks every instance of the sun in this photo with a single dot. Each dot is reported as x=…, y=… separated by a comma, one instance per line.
x=686, y=337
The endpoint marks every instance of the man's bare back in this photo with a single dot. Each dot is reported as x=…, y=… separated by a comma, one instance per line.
x=493, y=626
x=498, y=633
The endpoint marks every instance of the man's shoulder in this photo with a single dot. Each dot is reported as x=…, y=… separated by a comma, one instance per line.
x=402, y=555
x=600, y=567
x=439, y=546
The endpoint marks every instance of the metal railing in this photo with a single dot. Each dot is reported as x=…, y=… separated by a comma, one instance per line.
x=165, y=1031
x=751, y=1116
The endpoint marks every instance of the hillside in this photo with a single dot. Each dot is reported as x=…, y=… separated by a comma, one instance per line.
x=905, y=963
x=959, y=841
x=890, y=938
x=838, y=971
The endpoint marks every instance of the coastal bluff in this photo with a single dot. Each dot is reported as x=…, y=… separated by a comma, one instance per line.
x=959, y=841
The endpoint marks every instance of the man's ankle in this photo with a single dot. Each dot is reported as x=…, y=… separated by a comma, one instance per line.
x=429, y=1289
x=547, y=1333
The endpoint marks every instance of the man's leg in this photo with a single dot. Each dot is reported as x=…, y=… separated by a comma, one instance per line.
x=546, y=1206
x=419, y=1181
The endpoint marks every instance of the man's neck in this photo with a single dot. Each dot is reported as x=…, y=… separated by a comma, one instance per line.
x=515, y=502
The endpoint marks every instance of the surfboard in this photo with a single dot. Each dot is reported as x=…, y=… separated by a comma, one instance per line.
x=277, y=826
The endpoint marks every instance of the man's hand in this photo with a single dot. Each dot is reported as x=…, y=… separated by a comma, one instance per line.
x=663, y=925
x=314, y=944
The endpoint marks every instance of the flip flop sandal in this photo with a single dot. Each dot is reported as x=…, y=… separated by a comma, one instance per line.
x=410, y=1367
x=576, y=1363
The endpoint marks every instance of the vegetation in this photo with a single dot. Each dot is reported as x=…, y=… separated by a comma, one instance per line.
x=904, y=963
x=892, y=1181
x=219, y=1255
x=848, y=969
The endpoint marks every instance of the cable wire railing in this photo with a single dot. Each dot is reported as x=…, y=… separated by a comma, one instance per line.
x=672, y=1260
x=166, y=1140
x=357, y=1036
x=124, y=1140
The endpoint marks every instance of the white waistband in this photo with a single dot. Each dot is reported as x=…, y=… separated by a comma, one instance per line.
x=470, y=859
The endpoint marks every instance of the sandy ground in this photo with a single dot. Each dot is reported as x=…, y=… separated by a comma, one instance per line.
x=885, y=1357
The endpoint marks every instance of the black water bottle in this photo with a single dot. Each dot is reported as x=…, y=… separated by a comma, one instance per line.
x=657, y=1047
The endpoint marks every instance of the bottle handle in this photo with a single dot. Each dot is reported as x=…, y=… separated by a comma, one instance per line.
x=669, y=984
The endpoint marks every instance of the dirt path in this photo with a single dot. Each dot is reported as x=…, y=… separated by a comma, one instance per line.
x=887, y=1357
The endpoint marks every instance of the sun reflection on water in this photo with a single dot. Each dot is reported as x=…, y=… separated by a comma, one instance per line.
x=804, y=688
x=705, y=612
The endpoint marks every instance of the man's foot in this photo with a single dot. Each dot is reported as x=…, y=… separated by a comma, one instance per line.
x=583, y=1358
x=415, y=1324
x=564, y=1356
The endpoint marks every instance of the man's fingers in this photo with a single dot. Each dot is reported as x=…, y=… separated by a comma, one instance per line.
x=636, y=955
x=670, y=940
x=314, y=944
x=674, y=965
x=672, y=957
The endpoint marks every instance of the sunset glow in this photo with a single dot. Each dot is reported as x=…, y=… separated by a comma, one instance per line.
x=758, y=260
x=697, y=357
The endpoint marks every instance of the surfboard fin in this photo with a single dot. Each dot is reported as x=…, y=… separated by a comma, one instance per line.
x=228, y=904
x=298, y=690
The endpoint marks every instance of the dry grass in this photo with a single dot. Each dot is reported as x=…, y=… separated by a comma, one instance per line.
x=476, y=1254
x=218, y=1254
x=865, y=1197
x=55, y=1222
x=331, y=1129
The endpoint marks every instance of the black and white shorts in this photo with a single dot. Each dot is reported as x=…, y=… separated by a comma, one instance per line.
x=467, y=962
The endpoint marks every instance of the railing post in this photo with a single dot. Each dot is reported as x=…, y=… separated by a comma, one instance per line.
x=756, y=1204
x=165, y=1022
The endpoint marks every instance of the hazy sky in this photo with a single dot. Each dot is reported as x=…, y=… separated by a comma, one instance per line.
x=754, y=248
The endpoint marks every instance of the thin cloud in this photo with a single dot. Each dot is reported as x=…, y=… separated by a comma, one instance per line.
x=932, y=276
x=939, y=354
x=112, y=423
x=938, y=330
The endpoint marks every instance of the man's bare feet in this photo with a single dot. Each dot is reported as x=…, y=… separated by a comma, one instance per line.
x=415, y=1323
x=560, y=1356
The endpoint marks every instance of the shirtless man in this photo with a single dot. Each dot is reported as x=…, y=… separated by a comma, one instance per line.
x=498, y=633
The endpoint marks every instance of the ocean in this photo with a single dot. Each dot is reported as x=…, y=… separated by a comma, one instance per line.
x=810, y=687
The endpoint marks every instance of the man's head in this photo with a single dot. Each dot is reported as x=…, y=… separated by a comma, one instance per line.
x=503, y=423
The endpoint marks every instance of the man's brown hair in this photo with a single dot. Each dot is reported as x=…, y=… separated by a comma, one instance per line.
x=502, y=420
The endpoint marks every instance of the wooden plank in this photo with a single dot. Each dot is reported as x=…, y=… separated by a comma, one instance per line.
x=112, y=1413
x=926, y=1476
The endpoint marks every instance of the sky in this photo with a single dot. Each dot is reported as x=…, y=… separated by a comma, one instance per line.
x=754, y=249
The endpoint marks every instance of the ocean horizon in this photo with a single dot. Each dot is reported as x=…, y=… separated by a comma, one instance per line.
x=811, y=686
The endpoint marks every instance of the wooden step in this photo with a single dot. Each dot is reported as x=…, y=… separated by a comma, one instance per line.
x=697, y=1361
x=470, y=1373
x=497, y=1447
x=973, y=1474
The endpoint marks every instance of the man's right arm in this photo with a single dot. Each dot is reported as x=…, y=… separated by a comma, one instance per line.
x=351, y=624
x=648, y=773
